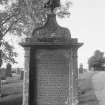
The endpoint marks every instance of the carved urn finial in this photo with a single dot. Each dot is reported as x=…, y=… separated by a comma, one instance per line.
x=52, y=4
x=51, y=31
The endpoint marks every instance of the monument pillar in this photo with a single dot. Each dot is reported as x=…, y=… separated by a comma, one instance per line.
x=75, y=74
x=26, y=76
x=51, y=73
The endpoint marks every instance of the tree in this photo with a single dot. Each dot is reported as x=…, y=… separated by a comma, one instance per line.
x=97, y=61
x=7, y=14
x=20, y=17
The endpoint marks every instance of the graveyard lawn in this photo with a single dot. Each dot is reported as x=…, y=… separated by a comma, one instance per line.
x=11, y=92
x=87, y=93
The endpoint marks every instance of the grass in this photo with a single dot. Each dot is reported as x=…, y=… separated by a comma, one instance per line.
x=11, y=92
x=13, y=88
x=12, y=100
x=87, y=95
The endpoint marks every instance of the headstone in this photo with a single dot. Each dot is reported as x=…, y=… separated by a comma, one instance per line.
x=22, y=75
x=81, y=69
x=51, y=73
x=9, y=70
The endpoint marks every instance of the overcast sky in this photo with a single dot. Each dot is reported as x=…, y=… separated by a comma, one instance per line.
x=87, y=23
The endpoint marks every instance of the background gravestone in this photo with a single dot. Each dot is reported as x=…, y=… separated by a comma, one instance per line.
x=9, y=70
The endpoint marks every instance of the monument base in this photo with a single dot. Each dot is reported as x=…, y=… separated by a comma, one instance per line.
x=53, y=74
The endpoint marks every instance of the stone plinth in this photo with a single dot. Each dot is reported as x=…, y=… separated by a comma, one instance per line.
x=53, y=74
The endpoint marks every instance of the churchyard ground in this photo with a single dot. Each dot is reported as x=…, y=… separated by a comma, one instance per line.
x=91, y=85
x=11, y=92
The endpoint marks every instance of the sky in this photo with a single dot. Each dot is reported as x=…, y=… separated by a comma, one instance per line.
x=4, y=6
x=87, y=23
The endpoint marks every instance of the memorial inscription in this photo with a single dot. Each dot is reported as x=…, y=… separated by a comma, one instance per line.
x=52, y=77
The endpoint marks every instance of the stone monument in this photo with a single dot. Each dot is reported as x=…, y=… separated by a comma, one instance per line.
x=51, y=73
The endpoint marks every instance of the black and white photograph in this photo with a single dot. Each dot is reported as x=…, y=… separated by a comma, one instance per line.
x=52, y=52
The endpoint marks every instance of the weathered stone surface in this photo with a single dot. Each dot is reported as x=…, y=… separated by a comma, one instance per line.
x=26, y=76
x=51, y=66
x=52, y=77
x=51, y=30
x=52, y=4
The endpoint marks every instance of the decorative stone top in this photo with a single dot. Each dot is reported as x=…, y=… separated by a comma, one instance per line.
x=51, y=32
x=72, y=43
x=52, y=4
